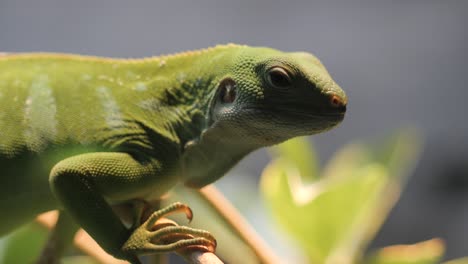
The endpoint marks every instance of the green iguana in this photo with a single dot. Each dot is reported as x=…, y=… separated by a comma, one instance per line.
x=82, y=134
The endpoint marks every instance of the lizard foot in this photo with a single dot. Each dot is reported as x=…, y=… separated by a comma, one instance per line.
x=154, y=237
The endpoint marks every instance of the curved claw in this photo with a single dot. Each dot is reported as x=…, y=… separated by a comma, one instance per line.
x=173, y=208
x=174, y=233
x=199, y=243
x=168, y=236
x=198, y=247
x=163, y=222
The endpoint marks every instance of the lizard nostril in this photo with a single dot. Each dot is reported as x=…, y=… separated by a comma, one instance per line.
x=337, y=102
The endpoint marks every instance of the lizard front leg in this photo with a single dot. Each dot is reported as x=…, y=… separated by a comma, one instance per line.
x=84, y=183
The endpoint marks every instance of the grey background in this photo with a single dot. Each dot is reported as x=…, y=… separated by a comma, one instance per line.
x=401, y=62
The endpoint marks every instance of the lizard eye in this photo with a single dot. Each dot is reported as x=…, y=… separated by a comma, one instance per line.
x=278, y=77
x=227, y=94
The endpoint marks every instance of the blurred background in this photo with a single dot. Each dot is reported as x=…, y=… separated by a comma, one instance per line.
x=400, y=62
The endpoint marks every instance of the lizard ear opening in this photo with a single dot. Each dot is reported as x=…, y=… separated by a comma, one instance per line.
x=227, y=91
x=225, y=96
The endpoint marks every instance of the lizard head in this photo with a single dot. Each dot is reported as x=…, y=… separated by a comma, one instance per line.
x=268, y=96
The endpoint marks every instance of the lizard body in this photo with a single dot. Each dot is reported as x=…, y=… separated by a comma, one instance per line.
x=84, y=133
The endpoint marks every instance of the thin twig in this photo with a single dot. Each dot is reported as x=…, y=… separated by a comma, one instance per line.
x=82, y=240
x=238, y=224
x=199, y=257
x=87, y=245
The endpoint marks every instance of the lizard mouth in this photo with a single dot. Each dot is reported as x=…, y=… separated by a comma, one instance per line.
x=333, y=113
x=297, y=121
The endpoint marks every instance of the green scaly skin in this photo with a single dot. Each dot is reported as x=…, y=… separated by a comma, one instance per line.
x=84, y=133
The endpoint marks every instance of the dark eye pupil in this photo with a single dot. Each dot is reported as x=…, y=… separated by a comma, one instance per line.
x=279, y=78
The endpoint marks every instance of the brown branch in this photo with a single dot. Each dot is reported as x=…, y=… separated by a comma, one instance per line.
x=238, y=224
x=82, y=240
x=87, y=245
x=199, y=257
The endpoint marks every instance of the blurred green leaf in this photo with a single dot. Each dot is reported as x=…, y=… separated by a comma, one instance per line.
x=427, y=252
x=457, y=261
x=336, y=217
x=400, y=152
x=322, y=216
x=79, y=260
x=24, y=245
x=300, y=153
x=348, y=159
